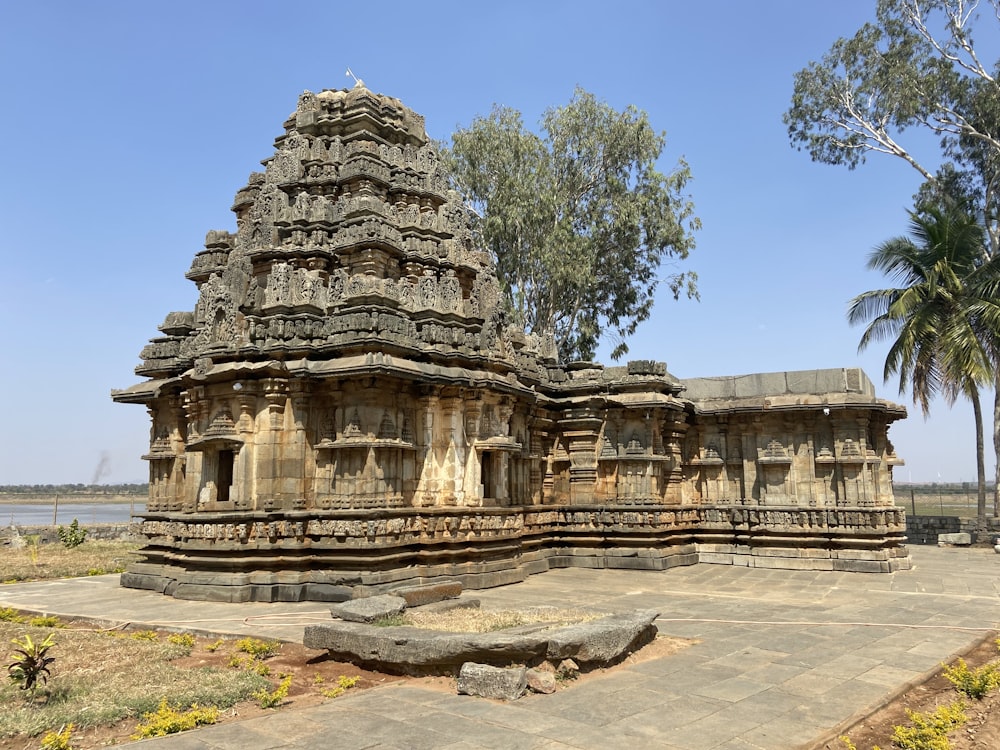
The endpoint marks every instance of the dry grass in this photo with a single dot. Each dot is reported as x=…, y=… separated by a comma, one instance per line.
x=100, y=677
x=46, y=561
x=475, y=620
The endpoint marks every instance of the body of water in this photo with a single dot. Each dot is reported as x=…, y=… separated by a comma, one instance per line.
x=41, y=515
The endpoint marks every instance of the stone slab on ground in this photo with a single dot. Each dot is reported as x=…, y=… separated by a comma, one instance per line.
x=369, y=609
x=506, y=684
x=429, y=593
x=958, y=539
x=415, y=650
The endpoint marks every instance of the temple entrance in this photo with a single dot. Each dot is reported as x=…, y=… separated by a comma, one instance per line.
x=225, y=481
x=489, y=474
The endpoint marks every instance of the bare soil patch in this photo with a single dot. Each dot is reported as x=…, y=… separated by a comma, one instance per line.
x=981, y=732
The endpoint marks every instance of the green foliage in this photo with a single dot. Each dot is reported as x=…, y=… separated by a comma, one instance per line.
x=9, y=614
x=930, y=730
x=936, y=316
x=73, y=535
x=31, y=663
x=144, y=635
x=274, y=698
x=46, y=621
x=344, y=683
x=184, y=640
x=257, y=648
x=972, y=683
x=214, y=646
x=167, y=720
x=578, y=219
x=60, y=740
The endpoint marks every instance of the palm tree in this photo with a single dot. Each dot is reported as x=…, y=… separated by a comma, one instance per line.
x=937, y=318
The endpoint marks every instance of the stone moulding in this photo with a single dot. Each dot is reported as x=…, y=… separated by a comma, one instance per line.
x=346, y=406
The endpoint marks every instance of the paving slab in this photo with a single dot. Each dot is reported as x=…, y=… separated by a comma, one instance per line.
x=781, y=659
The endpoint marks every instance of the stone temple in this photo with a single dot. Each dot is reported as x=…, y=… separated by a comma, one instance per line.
x=345, y=411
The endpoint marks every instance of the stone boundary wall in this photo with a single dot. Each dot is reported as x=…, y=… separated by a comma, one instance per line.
x=123, y=532
x=925, y=529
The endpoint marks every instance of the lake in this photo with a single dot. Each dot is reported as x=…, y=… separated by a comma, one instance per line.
x=23, y=514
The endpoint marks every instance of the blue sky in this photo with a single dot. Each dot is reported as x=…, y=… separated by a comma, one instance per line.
x=127, y=128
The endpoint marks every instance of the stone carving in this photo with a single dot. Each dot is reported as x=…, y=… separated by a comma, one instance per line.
x=392, y=425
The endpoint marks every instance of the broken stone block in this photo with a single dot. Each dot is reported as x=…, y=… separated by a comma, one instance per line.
x=429, y=593
x=369, y=609
x=959, y=539
x=541, y=681
x=506, y=684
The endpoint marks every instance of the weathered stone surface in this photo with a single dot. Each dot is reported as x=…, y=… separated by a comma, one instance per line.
x=428, y=593
x=449, y=605
x=958, y=539
x=345, y=410
x=492, y=682
x=602, y=640
x=409, y=649
x=541, y=681
x=369, y=609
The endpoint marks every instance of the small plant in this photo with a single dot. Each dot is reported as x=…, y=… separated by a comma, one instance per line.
x=32, y=542
x=46, y=621
x=930, y=730
x=257, y=648
x=167, y=720
x=31, y=664
x=144, y=635
x=96, y=571
x=9, y=614
x=972, y=683
x=58, y=740
x=72, y=536
x=274, y=698
x=182, y=639
x=344, y=683
x=214, y=646
x=237, y=662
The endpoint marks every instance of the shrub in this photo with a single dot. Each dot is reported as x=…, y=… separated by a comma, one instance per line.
x=930, y=730
x=72, y=536
x=167, y=720
x=58, y=740
x=344, y=683
x=9, y=614
x=144, y=635
x=972, y=683
x=31, y=663
x=46, y=621
x=182, y=639
x=257, y=648
x=274, y=698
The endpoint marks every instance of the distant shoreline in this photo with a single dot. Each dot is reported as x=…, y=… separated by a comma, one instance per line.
x=50, y=500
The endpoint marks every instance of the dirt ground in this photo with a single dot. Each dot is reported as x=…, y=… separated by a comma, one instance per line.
x=981, y=732
x=312, y=673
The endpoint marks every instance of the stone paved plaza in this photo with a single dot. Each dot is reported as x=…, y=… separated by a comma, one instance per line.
x=784, y=658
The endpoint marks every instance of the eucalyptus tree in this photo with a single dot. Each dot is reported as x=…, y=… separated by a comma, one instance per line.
x=912, y=85
x=934, y=317
x=579, y=218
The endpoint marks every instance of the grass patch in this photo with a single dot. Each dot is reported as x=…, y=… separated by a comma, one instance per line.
x=35, y=562
x=97, y=680
x=475, y=620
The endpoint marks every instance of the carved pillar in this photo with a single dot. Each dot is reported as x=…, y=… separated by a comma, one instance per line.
x=674, y=430
x=428, y=481
x=269, y=447
x=581, y=429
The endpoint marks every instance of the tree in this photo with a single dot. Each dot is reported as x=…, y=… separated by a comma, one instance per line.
x=914, y=72
x=578, y=219
x=933, y=316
